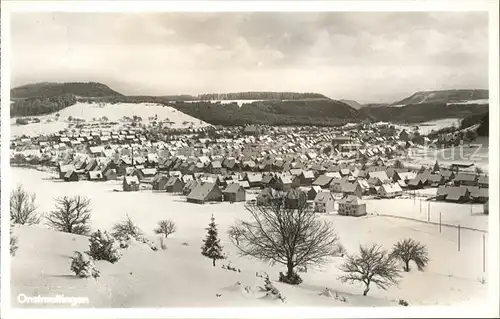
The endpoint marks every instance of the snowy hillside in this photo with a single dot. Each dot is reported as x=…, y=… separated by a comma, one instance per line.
x=180, y=276
x=113, y=112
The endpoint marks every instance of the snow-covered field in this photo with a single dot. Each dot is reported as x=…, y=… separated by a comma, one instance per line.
x=180, y=276
x=114, y=112
x=479, y=101
x=425, y=128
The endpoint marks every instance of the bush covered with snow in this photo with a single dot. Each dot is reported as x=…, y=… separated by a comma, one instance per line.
x=103, y=247
x=271, y=291
x=294, y=279
x=402, y=302
x=83, y=265
x=13, y=245
x=126, y=231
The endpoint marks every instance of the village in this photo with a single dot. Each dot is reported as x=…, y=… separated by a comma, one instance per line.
x=335, y=169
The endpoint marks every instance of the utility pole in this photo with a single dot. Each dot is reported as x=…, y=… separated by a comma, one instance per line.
x=458, y=237
x=440, y=222
x=484, y=253
x=428, y=211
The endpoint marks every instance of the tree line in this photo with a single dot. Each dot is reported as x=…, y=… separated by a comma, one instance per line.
x=41, y=105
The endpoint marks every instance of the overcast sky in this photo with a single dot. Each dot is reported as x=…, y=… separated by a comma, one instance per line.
x=368, y=57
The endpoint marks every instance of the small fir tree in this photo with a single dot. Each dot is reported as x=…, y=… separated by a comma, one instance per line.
x=436, y=167
x=212, y=247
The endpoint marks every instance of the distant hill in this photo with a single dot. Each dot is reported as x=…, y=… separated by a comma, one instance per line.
x=323, y=112
x=48, y=89
x=445, y=96
x=267, y=108
x=415, y=113
x=260, y=96
x=482, y=119
x=355, y=105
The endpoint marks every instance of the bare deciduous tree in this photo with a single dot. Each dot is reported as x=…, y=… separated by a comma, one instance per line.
x=407, y=250
x=235, y=234
x=289, y=236
x=72, y=215
x=166, y=227
x=373, y=265
x=22, y=207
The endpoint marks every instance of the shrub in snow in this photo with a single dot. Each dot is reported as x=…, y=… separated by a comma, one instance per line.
x=22, y=207
x=402, y=302
x=294, y=279
x=123, y=243
x=126, y=230
x=268, y=286
x=271, y=291
x=482, y=280
x=103, y=247
x=328, y=293
x=83, y=265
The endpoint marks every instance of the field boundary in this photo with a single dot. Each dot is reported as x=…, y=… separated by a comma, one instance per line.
x=434, y=223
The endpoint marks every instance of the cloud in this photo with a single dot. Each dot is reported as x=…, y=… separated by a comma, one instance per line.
x=356, y=55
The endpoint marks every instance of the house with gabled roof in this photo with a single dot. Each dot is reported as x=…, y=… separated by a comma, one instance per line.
x=190, y=185
x=159, y=181
x=145, y=175
x=295, y=198
x=283, y=182
x=351, y=206
x=378, y=178
x=305, y=178
x=95, y=176
x=266, y=196
x=483, y=181
x=352, y=189
x=63, y=169
x=71, y=176
x=389, y=190
x=206, y=192
x=130, y=184
x=323, y=181
x=254, y=179
x=313, y=191
x=174, y=185
x=110, y=174
x=436, y=180
x=464, y=179
x=324, y=202
x=234, y=192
